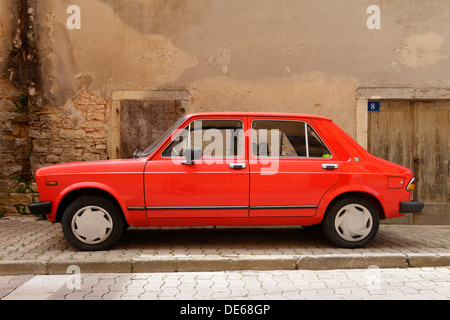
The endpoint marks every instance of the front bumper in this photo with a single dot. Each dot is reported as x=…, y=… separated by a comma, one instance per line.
x=411, y=207
x=40, y=208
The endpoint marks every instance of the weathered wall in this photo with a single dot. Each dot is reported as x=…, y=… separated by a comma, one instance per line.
x=298, y=56
x=73, y=132
x=16, y=190
x=260, y=55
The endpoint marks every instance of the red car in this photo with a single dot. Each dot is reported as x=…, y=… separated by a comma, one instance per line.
x=231, y=169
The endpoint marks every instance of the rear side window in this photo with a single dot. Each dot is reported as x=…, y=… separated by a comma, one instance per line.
x=277, y=138
x=316, y=147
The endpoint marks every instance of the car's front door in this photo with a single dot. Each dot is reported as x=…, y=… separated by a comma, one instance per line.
x=291, y=168
x=215, y=185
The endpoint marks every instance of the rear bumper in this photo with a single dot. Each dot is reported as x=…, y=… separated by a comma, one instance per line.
x=40, y=208
x=411, y=207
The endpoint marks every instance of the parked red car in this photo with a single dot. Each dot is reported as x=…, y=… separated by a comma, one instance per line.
x=230, y=169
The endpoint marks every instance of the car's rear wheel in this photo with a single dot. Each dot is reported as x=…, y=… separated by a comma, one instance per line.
x=92, y=223
x=351, y=222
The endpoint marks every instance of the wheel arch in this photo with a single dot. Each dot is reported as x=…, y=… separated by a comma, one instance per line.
x=82, y=192
x=373, y=199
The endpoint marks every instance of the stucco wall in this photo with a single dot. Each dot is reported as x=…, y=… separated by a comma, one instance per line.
x=299, y=56
x=256, y=55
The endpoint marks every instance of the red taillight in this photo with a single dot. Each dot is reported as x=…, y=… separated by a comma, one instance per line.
x=396, y=182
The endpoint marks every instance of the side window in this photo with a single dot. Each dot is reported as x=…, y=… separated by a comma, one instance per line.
x=216, y=138
x=275, y=138
x=316, y=147
x=278, y=138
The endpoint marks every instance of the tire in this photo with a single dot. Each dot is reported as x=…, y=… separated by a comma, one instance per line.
x=351, y=222
x=92, y=223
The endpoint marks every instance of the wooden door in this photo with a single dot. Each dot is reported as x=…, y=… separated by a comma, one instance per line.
x=143, y=121
x=390, y=132
x=417, y=135
x=431, y=157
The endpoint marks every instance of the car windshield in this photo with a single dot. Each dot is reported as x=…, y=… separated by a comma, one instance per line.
x=158, y=141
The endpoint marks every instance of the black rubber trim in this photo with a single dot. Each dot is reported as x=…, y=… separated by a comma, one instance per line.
x=40, y=208
x=411, y=207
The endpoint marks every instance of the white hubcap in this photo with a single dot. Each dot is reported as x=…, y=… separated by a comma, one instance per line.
x=92, y=225
x=353, y=222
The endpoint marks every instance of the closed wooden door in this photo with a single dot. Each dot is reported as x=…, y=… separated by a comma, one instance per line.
x=417, y=135
x=143, y=121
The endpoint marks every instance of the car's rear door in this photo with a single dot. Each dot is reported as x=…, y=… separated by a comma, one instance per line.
x=291, y=167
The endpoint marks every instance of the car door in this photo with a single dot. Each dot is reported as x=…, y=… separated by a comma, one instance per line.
x=291, y=168
x=215, y=185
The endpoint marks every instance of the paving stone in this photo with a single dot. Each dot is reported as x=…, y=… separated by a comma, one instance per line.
x=290, y=265
x=38, y=247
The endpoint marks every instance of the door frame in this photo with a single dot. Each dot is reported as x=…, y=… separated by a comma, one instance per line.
x=366, y=94
x=113, y=133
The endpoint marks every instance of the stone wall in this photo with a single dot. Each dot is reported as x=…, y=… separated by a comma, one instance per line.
x=69, y=133
x=16, y=187
x=32, y=137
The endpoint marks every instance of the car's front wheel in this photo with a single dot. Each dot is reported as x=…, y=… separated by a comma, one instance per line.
x=92, y=223
x=351, y=222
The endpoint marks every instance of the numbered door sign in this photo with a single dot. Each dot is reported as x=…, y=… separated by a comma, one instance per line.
x=374, y=106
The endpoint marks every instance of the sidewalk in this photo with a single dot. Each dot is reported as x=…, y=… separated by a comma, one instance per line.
x=38, y=247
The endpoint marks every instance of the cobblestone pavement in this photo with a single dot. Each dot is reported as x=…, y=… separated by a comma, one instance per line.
x=28, y=246
x=363, y=284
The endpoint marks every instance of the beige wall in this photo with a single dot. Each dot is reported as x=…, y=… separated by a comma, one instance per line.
x=296, y=56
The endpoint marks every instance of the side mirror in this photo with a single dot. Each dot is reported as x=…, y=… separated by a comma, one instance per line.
x=137, y=152
x=192, y=154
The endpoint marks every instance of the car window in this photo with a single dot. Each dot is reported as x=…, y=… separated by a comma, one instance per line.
x=216, y=138
x=279, y=138
x=316, y=147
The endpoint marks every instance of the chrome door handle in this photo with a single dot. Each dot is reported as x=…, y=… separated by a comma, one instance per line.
x=238, y=165
x=329, y=166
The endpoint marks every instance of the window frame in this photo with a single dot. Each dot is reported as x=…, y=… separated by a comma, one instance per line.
x=188, y=125
x=251, y=144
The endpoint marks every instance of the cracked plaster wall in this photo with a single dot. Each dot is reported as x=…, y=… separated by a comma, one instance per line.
x=232, y=54
x=284, y=46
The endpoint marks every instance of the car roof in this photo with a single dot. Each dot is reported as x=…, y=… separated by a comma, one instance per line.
x=257, y=114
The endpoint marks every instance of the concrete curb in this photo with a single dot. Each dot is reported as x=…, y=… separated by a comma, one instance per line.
x=145, y=264
x=428, y=260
